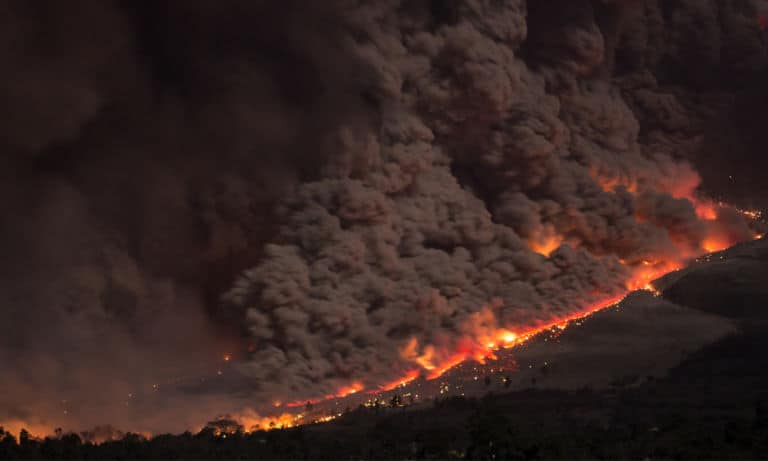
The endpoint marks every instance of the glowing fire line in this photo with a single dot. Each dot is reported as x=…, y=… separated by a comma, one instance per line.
x=483, y=348
x=343, y=392
x=483, y=345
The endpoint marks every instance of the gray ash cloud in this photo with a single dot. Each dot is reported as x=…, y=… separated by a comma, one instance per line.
x=497, y=119
x=373, y=171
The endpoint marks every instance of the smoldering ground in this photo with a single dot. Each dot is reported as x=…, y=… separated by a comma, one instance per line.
x=144, y=146
x=377, y=171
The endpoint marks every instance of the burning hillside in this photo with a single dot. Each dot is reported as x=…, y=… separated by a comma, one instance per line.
x=341, y=199
x=492, y=197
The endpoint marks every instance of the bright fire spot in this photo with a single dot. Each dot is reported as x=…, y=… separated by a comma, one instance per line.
x=482, y=335
x=349, y=390
x=751, y=214
x=545, y=246
x=611, y=183
x=249, y=421
x=706, y=210
x=253, y=422
x=713, y=244
x=447, y=365
x=410, y=376
x=410, y=352
x=341, y=393
x=14, y=426
x=503, y=338
x=227, y=357
x=490, y=338
x=648, y=272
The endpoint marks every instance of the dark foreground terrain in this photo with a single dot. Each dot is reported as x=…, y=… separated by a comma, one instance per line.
x=713, y=405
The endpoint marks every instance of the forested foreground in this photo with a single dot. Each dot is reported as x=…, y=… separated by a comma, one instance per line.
x=714, y=405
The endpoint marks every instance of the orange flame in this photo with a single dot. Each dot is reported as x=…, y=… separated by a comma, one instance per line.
x=713, y=244
x=447, y=365
x=482, y=335
x=647, y=272
x=489, y=338
x=251, y=421
x=341, y=393
x=610, y=183
x=705, y=210
x=35, y=430
x=349, y=390
x=546, y=245
x=410, y=376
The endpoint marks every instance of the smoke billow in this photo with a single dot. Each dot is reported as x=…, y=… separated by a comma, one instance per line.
x=505, y=132
x=144, y=146
x=380, y=174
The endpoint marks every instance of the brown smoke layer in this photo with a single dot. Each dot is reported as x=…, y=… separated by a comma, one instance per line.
x=502, y=126
x=375, y=172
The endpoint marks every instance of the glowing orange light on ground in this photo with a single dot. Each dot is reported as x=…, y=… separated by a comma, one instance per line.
x=714, y=244
x=410, y=376
x=341, y=393
x=482, y=335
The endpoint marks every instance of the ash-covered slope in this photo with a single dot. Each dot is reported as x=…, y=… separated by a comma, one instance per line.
x=648, y=378
x=526, y=159
x=640, y=339
x=386, y=170
x=718, y=295
x=711, y=406
x=731, y=283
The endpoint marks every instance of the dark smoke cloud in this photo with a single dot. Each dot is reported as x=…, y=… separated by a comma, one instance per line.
x=376, y=170
x=496, y=129
x=144, y=145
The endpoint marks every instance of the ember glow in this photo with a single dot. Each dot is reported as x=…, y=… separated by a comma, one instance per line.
x=410, y=376
x=646, y=272
x=252, y=422
x=341, y=393
x=706, y=210
x=14, y=426
x=547, y=244
x=481, y=346
x=610, y=183
x=713, y=244
x=397, y=192
x=486, y=337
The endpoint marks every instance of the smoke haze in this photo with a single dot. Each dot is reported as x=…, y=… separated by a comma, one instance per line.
x=339, y=192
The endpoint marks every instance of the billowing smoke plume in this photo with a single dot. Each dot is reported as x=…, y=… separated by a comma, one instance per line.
x=143, y=147
x=505, y=185
x=391, y=179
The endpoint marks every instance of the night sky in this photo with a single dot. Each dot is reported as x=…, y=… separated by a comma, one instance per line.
x=223, y=207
